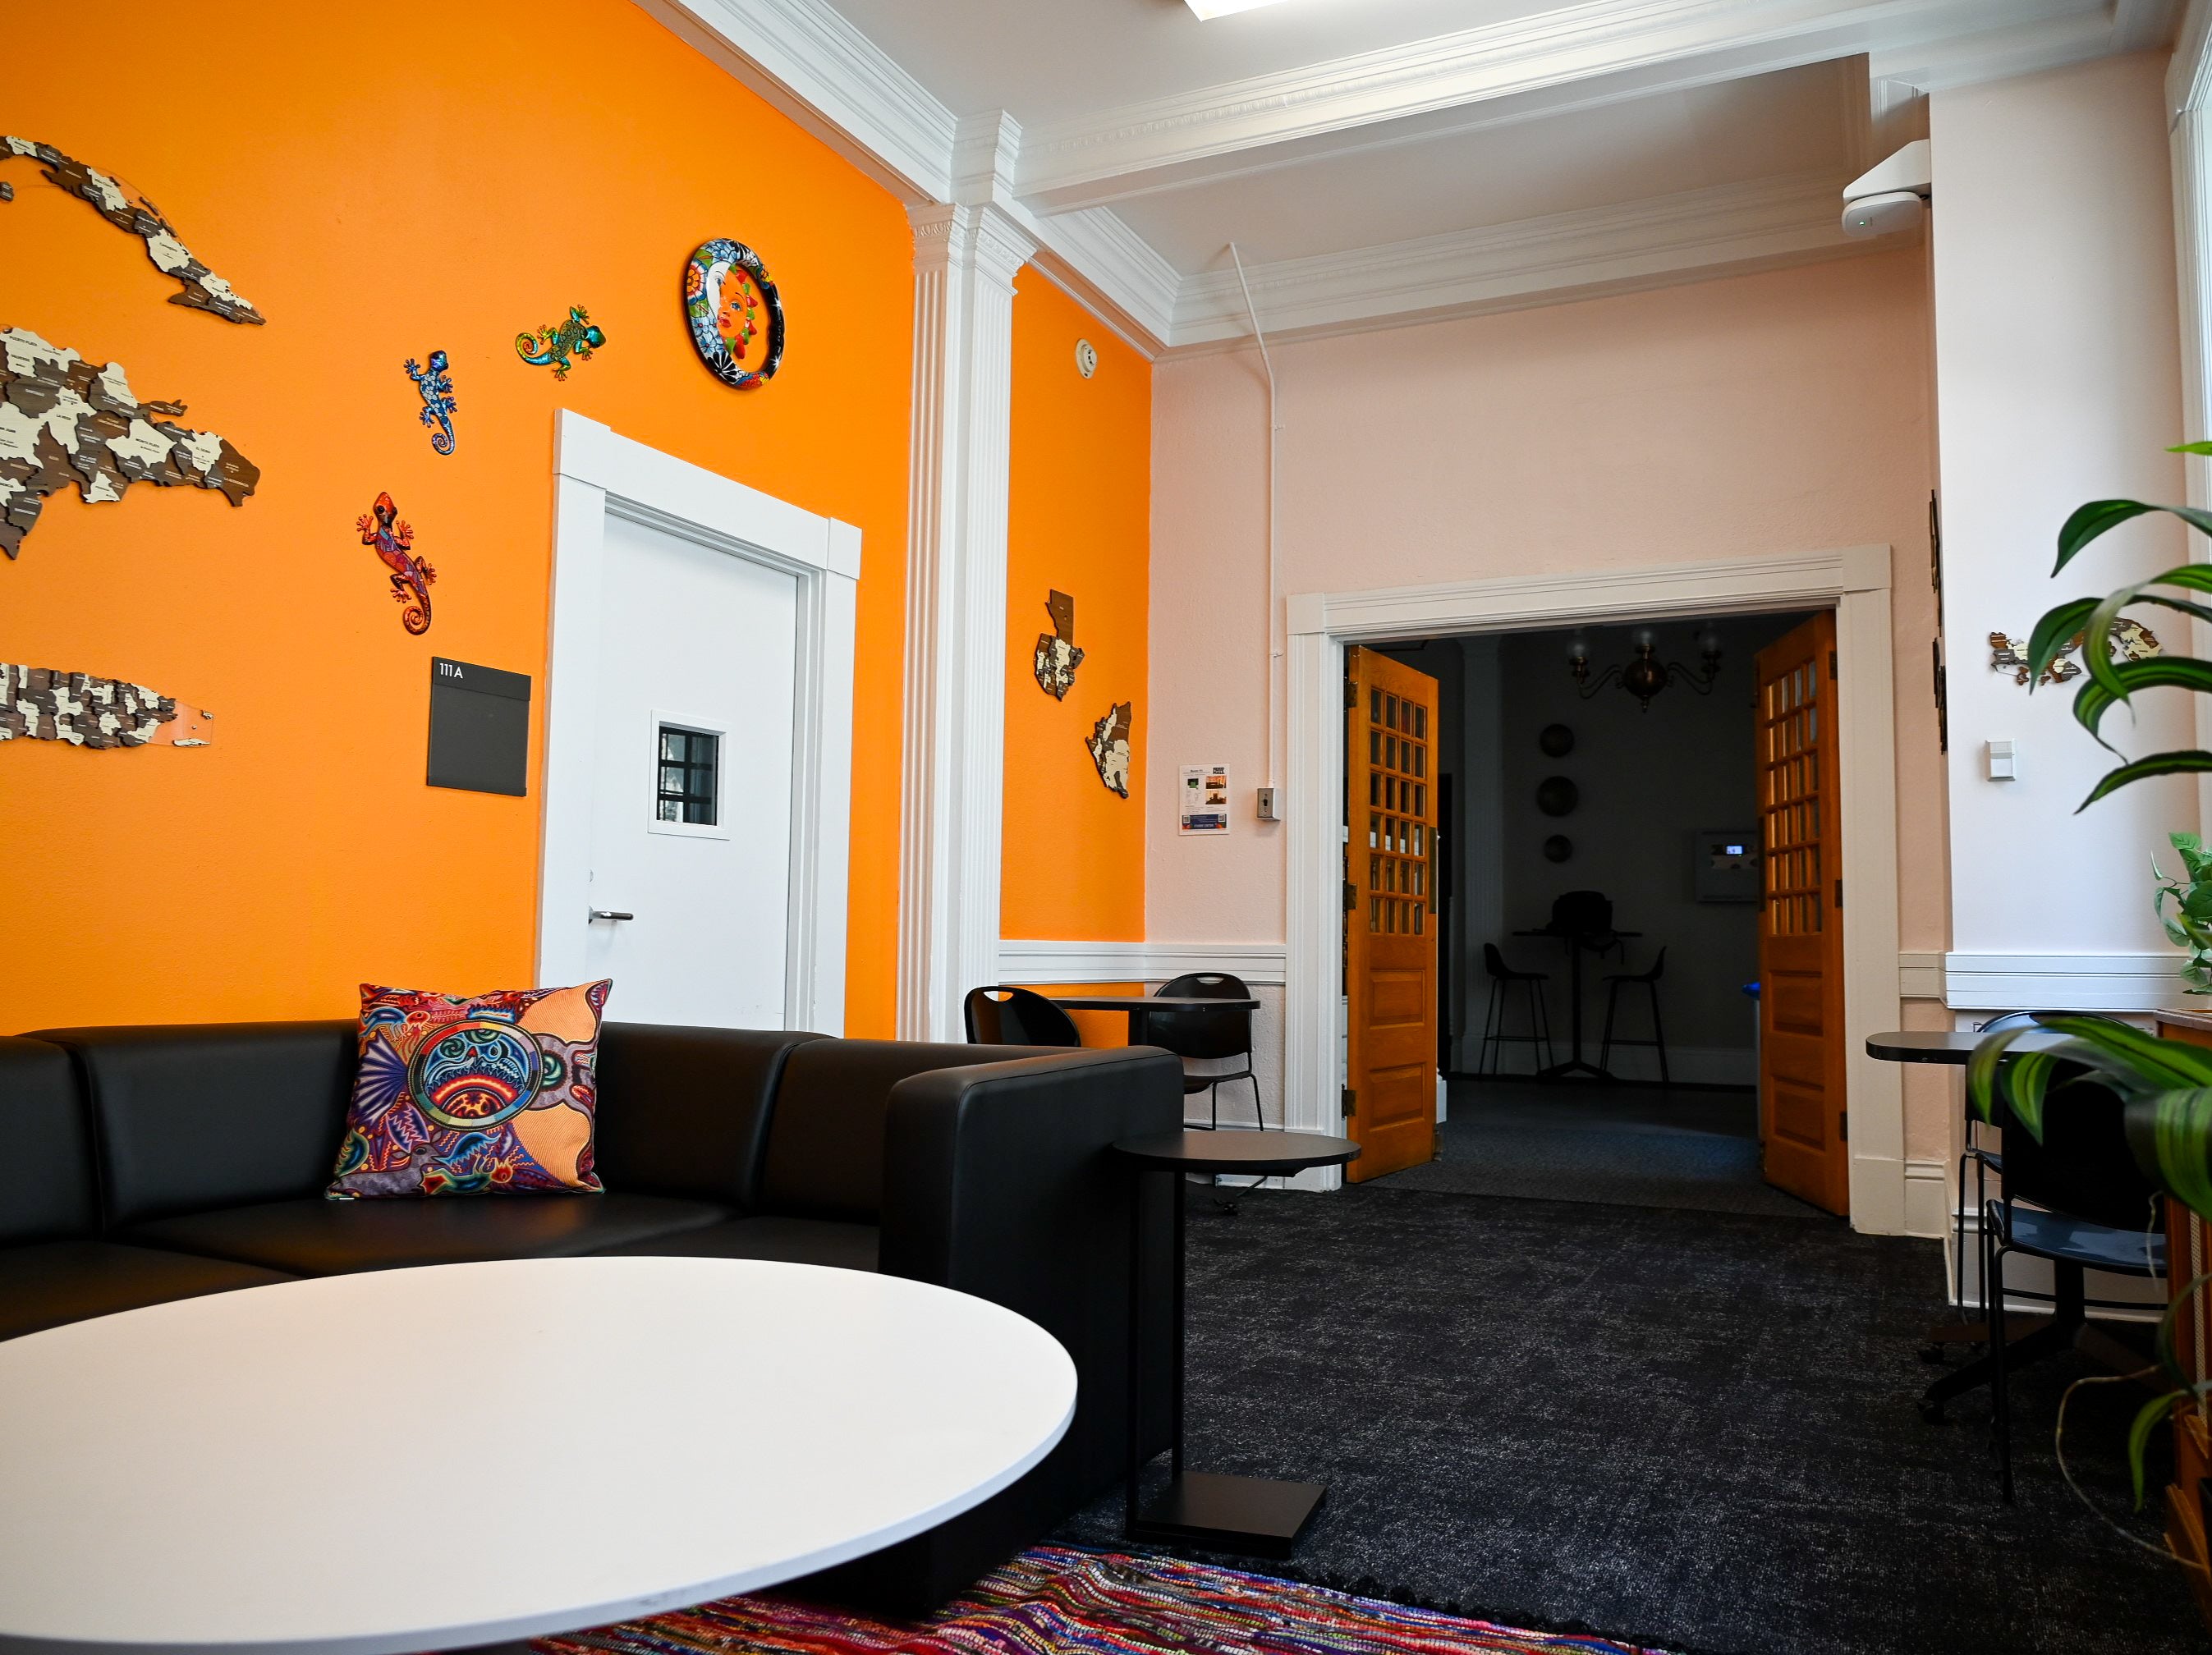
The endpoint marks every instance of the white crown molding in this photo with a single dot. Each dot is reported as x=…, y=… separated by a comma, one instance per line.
x=1026, y=961
x=2027, y=47
x=804, y=57
x=1579, y=57
x=1693, y=236
x=1110, y=269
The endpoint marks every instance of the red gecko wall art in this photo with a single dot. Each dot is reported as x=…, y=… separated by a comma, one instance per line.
x=411, y=578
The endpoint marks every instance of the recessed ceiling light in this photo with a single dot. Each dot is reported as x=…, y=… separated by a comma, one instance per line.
x=1210, y=9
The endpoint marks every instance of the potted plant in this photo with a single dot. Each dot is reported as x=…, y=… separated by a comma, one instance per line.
x=2165, y=1085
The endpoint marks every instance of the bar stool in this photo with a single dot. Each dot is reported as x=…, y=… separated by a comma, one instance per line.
x=1649, y=980
x=1502, y=978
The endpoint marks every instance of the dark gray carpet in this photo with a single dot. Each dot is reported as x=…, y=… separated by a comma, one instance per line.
x=1692, y=1429
x=1616, y=1145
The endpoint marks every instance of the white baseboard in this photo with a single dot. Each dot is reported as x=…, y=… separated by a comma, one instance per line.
x=1927, y=1199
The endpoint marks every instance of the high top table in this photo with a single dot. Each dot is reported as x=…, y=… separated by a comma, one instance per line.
x=1577, y=941
x=1207, y=1508
x=415, y=1459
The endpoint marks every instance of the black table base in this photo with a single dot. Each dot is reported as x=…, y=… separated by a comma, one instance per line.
x=1251, y=1514
x=1206, y=1509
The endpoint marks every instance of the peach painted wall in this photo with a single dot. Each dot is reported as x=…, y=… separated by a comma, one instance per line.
x=1778, y=412
x=383, y=183
x=1079, y=521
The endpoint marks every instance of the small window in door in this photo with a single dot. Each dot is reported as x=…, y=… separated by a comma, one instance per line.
x=687, y=771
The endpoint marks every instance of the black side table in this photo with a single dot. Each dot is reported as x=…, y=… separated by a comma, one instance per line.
x=1204, y=1508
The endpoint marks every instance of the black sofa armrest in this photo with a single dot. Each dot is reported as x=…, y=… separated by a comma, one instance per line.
x=997, y=1182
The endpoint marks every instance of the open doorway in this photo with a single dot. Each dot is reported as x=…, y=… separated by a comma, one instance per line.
x=1598, y=914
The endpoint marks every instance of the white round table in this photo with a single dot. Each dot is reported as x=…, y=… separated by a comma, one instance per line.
x=416, y=1459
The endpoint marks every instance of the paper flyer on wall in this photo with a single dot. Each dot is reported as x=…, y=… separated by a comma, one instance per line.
x=1203, y=805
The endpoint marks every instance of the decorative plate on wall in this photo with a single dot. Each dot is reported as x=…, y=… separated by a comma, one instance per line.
x=1558, y=848
x=1556, y=740
x=1556, y=796
x=727, y=291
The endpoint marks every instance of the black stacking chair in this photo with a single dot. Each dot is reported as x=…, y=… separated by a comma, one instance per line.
x=1015, y=1017
x=1208, y=1035
x=1583, y=914
x=2078, y=1199
x=1648, y=981
x=1502, y=980
x=1985, y=1160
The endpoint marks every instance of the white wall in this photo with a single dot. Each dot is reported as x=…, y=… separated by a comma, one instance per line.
x=2057, y=382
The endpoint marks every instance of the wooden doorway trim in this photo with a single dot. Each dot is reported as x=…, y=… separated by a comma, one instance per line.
x=1854, y=581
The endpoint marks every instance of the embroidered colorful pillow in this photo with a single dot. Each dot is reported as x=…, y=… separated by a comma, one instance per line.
x=465, y=1096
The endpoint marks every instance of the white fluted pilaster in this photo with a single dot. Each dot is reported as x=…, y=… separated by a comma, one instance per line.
x=965, y=260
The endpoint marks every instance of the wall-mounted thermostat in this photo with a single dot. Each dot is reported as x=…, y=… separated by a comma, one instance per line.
x=1724, y=865
x=1086, y=358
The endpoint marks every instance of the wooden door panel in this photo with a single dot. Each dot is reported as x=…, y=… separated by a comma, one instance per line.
x=1390, y=920
x=1800, y=1049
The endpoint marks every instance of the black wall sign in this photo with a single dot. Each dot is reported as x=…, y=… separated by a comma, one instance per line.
x=479, y=728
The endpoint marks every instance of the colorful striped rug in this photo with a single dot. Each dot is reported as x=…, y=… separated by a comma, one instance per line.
x=1057, y=1600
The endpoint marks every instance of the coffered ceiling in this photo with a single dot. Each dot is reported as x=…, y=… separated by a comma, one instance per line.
x=1377, y=161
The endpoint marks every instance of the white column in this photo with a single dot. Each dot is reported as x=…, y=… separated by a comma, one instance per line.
x=965, y=260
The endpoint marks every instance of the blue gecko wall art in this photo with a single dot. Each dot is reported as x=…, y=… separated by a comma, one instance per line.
x=551, y=346
x=436, y=386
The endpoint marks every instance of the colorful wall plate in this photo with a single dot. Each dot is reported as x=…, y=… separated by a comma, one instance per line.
x=726, y=289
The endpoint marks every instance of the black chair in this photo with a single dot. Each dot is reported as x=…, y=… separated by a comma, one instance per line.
x=1584, y=914
x=1985, y=1160
x=1648, y=981
x=2079, y=1200
x=1503, y=979
x=1014, y=1016
x=1208, y=1035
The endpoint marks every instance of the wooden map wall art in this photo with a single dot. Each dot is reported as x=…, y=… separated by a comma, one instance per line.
x=41, y=705
x=2131, y=640
x=726, y=289
x=135, y=215
x=381, y=528
x=1109, y=742
x=552, y=347
x=62, y=420
x=1057, y=657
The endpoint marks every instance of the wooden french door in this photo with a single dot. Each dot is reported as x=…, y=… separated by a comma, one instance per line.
x=1389, y=921
x=1800, y=922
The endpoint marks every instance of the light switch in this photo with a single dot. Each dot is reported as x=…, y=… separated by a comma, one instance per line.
x=2004, y=761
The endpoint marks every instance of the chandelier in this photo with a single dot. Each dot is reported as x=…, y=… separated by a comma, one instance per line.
x=1643, y=675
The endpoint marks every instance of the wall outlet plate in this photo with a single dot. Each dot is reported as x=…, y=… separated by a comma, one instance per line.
x=1268, y=805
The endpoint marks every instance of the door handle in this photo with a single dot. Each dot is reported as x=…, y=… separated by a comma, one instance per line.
x=611, y=913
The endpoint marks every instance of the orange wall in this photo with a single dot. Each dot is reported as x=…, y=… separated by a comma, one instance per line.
x=1079, y=521
x=381, y=183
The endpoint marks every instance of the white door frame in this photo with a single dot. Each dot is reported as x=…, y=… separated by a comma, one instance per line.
x=1854, y=581
x=599, y=474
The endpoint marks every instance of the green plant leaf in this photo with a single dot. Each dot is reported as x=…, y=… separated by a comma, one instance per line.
x=1983, y=1068
x=2178, y=1140
x=2190, y=448
x=2124, y=1054
x=2100, y=516
x=2053, y=631
x=2154, y=1413
x=2095, y=698
x=2194, y=761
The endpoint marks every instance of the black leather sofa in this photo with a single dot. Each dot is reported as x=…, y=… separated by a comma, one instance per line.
x=140, y=1165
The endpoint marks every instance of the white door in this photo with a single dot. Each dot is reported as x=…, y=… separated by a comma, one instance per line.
x=691, y=782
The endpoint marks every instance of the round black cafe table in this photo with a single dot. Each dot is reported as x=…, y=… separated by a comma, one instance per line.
x=1204, y=1508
